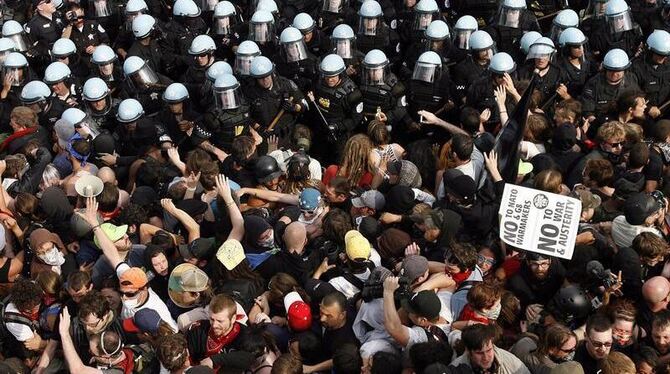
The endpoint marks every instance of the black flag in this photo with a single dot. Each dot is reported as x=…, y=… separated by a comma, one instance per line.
x=509, y=138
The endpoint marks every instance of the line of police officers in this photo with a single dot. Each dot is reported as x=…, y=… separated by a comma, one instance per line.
x=203, y=73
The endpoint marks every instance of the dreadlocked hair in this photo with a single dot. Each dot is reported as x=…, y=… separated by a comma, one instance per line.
x=355, y=158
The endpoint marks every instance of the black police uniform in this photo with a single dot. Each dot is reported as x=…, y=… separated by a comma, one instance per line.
x=171, y=122
x=575, y=78
x=465, y=74
x=301, y=72
x=385, y=40
x=113, y=82
x=481, y=96
x=598, y=94
x=337, y=104
x=225, y=43
x=546, y=83
x=73, y=100
x=266, y=104
x=482, y=10
x=223, y=125
x=385, y=97
x=428, y=96
x=105, y=120
x=41, y=28
x=90, y=34
x=603, y=40
x=157, y=58
x=151, y=97
x=654, y=80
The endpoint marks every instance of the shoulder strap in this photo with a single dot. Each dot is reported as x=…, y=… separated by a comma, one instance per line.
x=435, y=333
x=351, y=278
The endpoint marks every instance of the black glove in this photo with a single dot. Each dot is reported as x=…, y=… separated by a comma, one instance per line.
x=288, y=106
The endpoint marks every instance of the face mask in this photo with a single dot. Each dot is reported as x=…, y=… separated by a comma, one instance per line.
x=561, y=360
x=269, y=242
x=358, y=221
x=620, y=341
x=131, y=303
x=493, y=313
x=52, y=257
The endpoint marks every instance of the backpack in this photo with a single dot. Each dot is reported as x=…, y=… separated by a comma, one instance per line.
x=241, y=290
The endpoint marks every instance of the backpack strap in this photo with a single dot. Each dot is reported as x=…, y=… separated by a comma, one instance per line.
x=351, y=278
x=435, y=333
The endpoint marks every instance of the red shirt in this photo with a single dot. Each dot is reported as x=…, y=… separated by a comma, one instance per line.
x=331, y=172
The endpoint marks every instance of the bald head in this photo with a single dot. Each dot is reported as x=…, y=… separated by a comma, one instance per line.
x=295, y=237
x=107, y=175
x=655, y=290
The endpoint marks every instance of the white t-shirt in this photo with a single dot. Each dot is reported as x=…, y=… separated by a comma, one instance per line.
x=282, y=157
x=349, y=290
x=20, y=331
x=623, y=232
x=153, y=302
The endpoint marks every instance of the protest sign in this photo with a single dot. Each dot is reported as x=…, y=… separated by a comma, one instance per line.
x=539, y=221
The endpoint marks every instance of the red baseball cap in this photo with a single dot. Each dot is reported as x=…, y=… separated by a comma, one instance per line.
x=299, y=316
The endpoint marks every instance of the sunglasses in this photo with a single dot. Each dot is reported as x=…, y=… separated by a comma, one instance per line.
x=615, y=145
x=130, y=295
x=308, y=212
x=485, y=260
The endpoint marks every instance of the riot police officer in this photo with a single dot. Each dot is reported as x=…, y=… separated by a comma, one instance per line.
x=229, y=117
x=436, y=39
x=334, y=13
x=66, y=90
x=78, y=118
x=226, y=30
x=594, y=17
x=185, y=25
x=475, y=65
x=621, y=31
x=143, y=84
x=315, y=41
x=335, y=98
x=513, y=20
x=423, y=13
x=245, y=53
x=294, y=62
x=15, y=74
x=275, y=100
x=37, y=96
x=125, y=36
x=202, y=51
x=178, y=116
x=383, y=95
x=373, y=33
x=653, y=71
x=547, y=74
x=601, y=90
x=566, y=18
x=202, y=96
x=36, y=51
x=262, y=32
x=7, y=46
x=576, y=67
x=481, y=92
x=524, y=44
x=105, y=67
x=65, y=51
x=343, y=44
x=99, y=104
x=147, y=47
x=429, y=89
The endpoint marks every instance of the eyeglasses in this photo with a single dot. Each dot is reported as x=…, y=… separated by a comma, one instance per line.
x=91, y=325
x=599, y=344
x=544, y=264
x=615, y=145
x=568, y=351
x=308, y=212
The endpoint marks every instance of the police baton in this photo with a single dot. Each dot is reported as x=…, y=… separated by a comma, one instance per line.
x=279, y=115
x=323, y=118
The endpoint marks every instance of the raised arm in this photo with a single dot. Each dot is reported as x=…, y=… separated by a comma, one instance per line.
x=392, y=322
x=223, y=188
x=74, y=363
x=189, y=223
x=106, y=245
x=272, y=196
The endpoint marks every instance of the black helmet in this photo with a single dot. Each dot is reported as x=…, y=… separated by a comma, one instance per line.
x=297, y=166
x=266, y=169
x=570, y=305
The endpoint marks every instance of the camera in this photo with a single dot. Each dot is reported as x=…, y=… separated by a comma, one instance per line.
x=332, y=251
x=660, y=198
x=71, y=16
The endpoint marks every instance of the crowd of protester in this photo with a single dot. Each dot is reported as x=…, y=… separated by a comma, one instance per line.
x=303, y=186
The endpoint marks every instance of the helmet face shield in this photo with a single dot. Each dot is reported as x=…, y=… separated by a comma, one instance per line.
x=555, y=32
x=16, y=74
x=144, y=77
x=510, y=17
x=429, y=73
x=422, y=20
x=223, y=25
x=374, y=76
x=19, y=42
x=100, y=8
x=243, y=64
x=462, y=39
x=344, y=48
x=294, y=51
x=261, y=32
x=332, y=6
x=208, y=5
x=100, y=107
x=3, y=56
x=368, y=26
x=227, y=98
x=620, y=22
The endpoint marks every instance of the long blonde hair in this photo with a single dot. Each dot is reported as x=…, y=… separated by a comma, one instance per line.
x=355, y=158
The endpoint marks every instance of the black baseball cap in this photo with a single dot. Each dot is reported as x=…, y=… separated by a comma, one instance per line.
x=638, y=207
x=459, y=185
x=424, y=303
